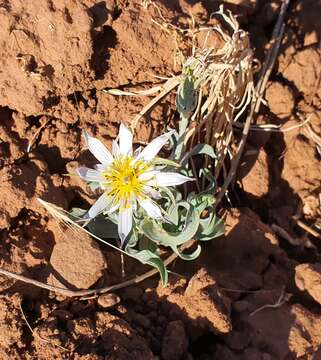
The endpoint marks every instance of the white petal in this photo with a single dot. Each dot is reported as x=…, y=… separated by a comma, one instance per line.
x=100, y=205
x=153, y=148
x=115, y=149
x=98, y=149
x=148, y=190
x=113, y=208
x=138, y=151
x=100, y=167
x=125, y=140
x=171, y=179
x=151, y=208
x=148, y=175
x=125, y=223
x=89, y=174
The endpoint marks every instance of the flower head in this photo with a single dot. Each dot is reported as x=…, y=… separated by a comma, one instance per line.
x=128, y=179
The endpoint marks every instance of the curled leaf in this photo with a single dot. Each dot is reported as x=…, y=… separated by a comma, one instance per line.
x=188, y=257
x=160, y=236
x=151, y=258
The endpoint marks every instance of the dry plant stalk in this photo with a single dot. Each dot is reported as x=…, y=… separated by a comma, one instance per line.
x=223, y=76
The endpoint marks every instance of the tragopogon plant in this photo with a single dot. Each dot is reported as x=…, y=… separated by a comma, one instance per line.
x=140, y=204
x=129, y=180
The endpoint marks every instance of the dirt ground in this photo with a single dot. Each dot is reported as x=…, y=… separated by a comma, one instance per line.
x=57, y=58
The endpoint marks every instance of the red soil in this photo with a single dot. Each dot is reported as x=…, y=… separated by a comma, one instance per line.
x=56, y=61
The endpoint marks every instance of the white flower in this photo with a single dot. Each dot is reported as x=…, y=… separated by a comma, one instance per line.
x=128, y=179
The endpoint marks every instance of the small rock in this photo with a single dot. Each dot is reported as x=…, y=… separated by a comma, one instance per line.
x=77, y=260
x=308, y=278
x=201, y=306
x=280, y=100
x=175, y=342
x=254, y=172
x=107, y=301
x=121, y=309
x=82, y=329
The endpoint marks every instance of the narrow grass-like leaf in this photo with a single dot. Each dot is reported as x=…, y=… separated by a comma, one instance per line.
x=150, y=258
x=199, y=149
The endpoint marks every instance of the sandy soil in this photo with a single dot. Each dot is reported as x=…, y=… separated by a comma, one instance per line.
x=56, y=61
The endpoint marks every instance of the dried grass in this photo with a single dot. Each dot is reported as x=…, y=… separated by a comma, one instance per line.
x=224, y=78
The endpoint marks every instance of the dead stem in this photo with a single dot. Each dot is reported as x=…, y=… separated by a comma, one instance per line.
x=283, y=298
x=307, y=228
x=260, y=88
x=36, y=134
x=293, y=241
x=95, y=292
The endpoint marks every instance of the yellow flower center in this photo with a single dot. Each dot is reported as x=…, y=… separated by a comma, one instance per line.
x=122, y=179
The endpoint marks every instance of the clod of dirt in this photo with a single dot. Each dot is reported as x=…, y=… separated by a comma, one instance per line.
x=139, y=43
x=302, y=166
x=302, y=69
x=21, y=186
x=46, y=53
x=305, y=21
x=11, y=323
x=254, y=172
x=205, y=306
x=107, y=301
x=77, y=260
x=82, y=330
x=280, y=99
x=203, y=296
x=175, y=341
x=285, y=331
x=239, y=259
x=119, y=340
x=308, y=278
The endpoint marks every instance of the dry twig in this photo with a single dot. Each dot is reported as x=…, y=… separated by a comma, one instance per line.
x=105, y=289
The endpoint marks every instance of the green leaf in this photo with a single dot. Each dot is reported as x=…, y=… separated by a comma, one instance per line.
x=77, y=213
x=202, y=201
x=188, y=257
x=186, y=98
x=150, y=258
x=207, y=173
x=147, y=244
x=210, y=227
x=103, y=227
x=94, y=186
x=199, y=149
x=161, y=161
x=160, y=236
